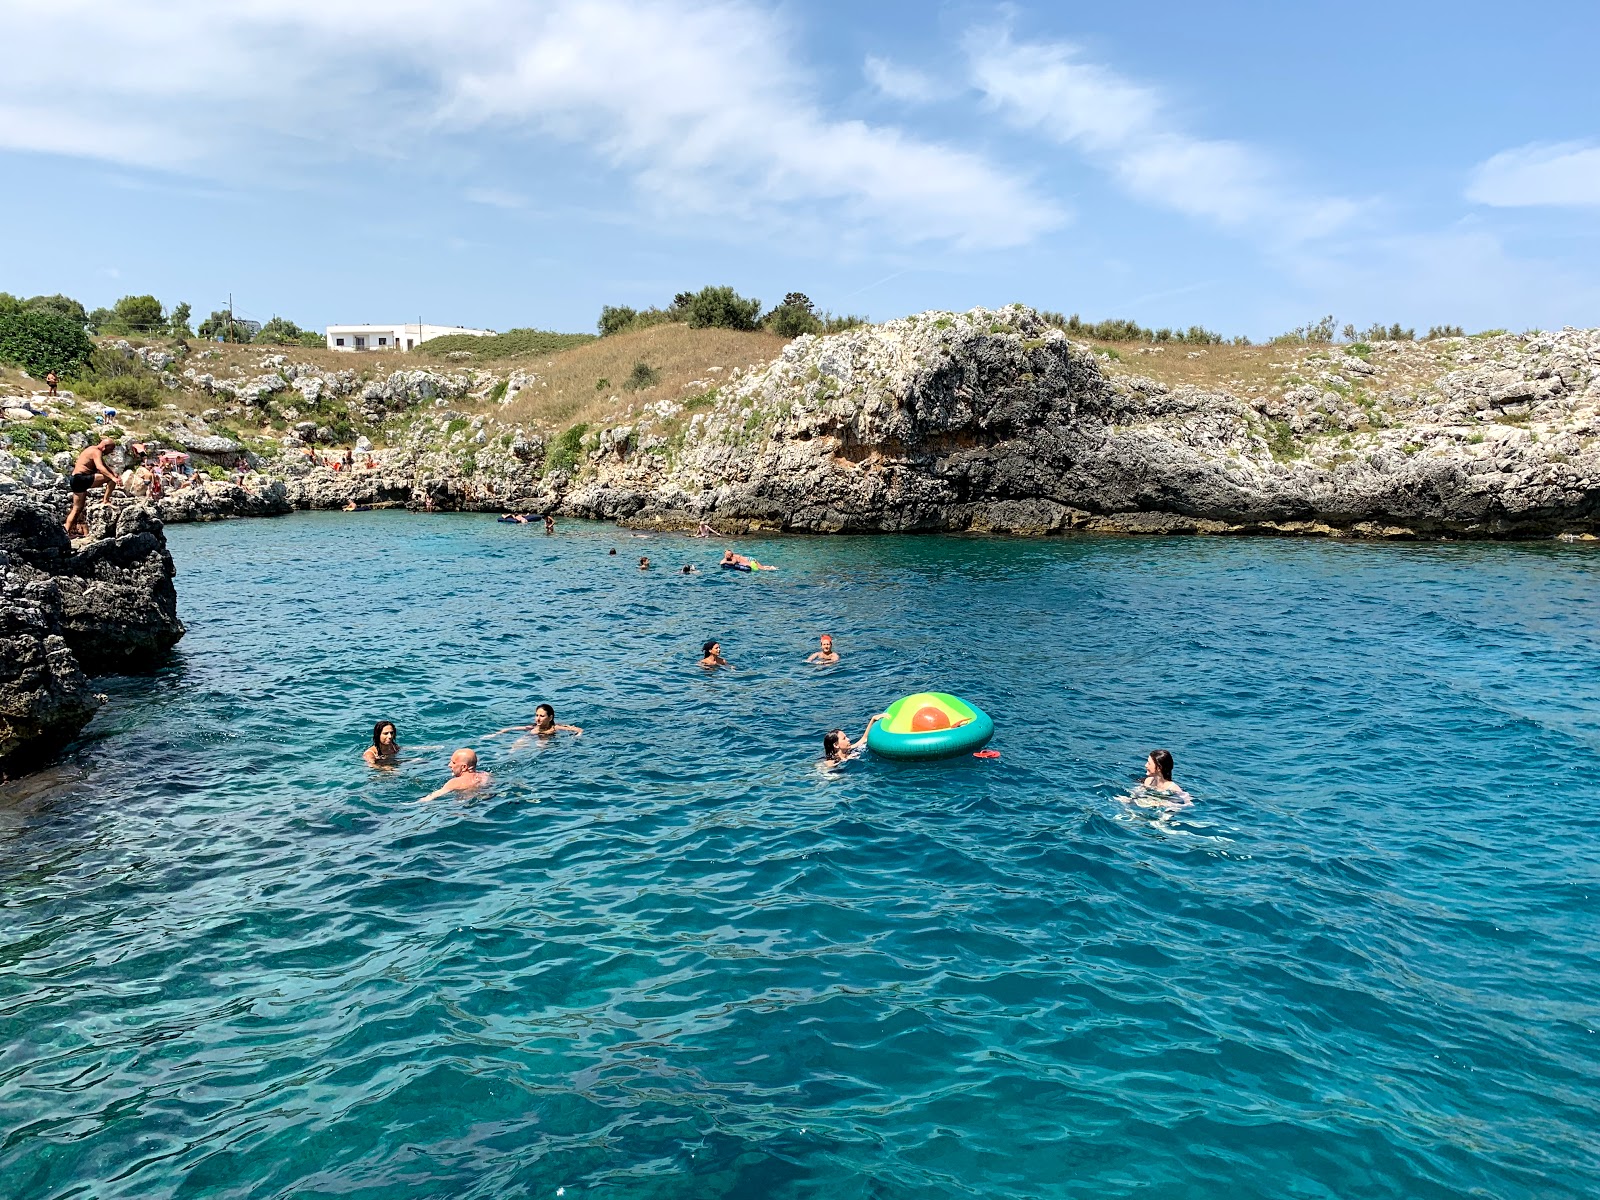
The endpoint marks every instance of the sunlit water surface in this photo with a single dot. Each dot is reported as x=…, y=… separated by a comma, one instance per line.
x=671, y=958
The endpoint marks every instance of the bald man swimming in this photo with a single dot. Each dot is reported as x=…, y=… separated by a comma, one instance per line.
x=464, y=775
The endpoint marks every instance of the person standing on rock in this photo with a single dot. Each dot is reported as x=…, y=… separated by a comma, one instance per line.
x=50, y=382
x=89, y=467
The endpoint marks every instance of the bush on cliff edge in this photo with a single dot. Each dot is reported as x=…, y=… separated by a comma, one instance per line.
x=40, y=340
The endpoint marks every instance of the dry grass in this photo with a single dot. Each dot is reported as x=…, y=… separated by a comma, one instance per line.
x=1252, y=371
x=587, y=384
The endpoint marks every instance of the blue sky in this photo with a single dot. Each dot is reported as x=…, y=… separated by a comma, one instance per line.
x=1248, y=167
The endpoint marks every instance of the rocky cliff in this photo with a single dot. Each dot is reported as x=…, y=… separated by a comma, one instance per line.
x=989, y=420
x=993, y=420
x=65, y=614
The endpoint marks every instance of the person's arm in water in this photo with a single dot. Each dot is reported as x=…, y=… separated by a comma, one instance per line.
x=568, y=728
x=460, y=783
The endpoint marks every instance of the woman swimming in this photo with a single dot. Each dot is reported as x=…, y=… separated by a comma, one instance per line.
x=544, y=724
x=1156, y=789
x=385, y=747
x=838, y=749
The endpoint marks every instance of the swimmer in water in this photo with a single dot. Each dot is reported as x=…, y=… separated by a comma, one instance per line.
x=385, y=747
x=730, y=559
x=1156, y=789
x=549, y=523
x=688, y=569
x=1158, y=773
x=712, y=656
x=644, y=564
x=464, y=775
x=544, y=724
x=826, y=655
x=838, y=749
x=612, y=552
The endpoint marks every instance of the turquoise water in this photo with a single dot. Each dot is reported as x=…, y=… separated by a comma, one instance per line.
x=670, y=958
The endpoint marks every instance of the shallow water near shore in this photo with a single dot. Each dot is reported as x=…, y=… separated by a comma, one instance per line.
x=670, y=958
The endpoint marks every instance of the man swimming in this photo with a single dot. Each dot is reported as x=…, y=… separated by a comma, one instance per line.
x=464, y=775
x=544, y=724
x=89, y=467
x=712, y=656
x=826, y=655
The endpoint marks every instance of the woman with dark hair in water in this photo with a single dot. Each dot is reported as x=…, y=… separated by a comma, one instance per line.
x=1158, y=772
x=385, y=747
x=838, y=749
x=544, y=724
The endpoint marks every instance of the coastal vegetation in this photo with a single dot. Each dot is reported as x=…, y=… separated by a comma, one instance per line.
x=509, y=344
x=720, y=307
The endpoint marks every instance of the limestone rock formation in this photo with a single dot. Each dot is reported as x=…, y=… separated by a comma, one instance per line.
x=64, y=614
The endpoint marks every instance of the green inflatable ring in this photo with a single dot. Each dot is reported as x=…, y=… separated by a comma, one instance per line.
x=900, y=734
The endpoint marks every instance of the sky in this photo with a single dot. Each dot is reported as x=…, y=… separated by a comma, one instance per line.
x=1248, y=167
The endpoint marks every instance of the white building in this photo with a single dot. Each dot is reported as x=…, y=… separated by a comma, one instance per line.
x=392, y=337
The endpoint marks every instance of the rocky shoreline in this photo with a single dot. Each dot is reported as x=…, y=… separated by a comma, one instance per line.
x=106, y=605
x=984, y=421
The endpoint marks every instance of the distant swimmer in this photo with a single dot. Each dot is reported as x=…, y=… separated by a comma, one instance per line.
x=712, y=656
x=705, y=530
x=612, y=552
x=544, y=724
x=644, y=564
x=688, y=569
x=838, y=749
x=826, y=655
x=549, y=523
x=385, y=746
x=464, y=775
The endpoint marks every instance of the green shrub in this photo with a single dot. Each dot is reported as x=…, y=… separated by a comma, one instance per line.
x=642, y=376
x=795, y=316
x=40, y=340
x=1445, y=331
x=616, y=318
x=132, y=314
x=601, y=384
x=133, y=390
x=1121, y=329
x=1280, y=439
x=722, y=308
x=65, y=305
x=504, y=345
x=703, y=400
x=498, y=392
x=456, y=426
x=1313, y=333
x=565, y=448
x=1359, y=349
x=1389, y=333
x=280, y=331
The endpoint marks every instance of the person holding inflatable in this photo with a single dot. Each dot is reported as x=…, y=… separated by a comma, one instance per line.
x=838, y=749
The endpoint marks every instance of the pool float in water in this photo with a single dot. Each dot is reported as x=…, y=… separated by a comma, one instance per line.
x=752, y=565
x=929, y=725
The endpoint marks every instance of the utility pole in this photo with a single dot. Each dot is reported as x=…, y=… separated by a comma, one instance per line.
x=231, y=335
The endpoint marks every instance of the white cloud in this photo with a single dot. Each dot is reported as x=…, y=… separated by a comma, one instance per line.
x=700, y=106
x=495, y=197
x=1125, y=128
x=900, y=83
x=1564, y=173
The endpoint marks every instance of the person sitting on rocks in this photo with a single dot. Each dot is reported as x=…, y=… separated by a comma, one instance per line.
x=385, y=748
x=711, y=656
x=464, y=775
x=825, y=655
x=544, y=724
x=89, y=467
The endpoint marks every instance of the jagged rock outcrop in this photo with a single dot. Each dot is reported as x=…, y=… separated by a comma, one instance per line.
x=108, y=606
x=993, y=420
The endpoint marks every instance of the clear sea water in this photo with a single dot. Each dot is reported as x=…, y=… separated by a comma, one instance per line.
x=671, y=958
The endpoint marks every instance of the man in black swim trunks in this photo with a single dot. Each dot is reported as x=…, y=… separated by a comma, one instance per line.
x=89, y=467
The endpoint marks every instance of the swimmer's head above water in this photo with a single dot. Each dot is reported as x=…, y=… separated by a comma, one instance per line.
x=1158, y=766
